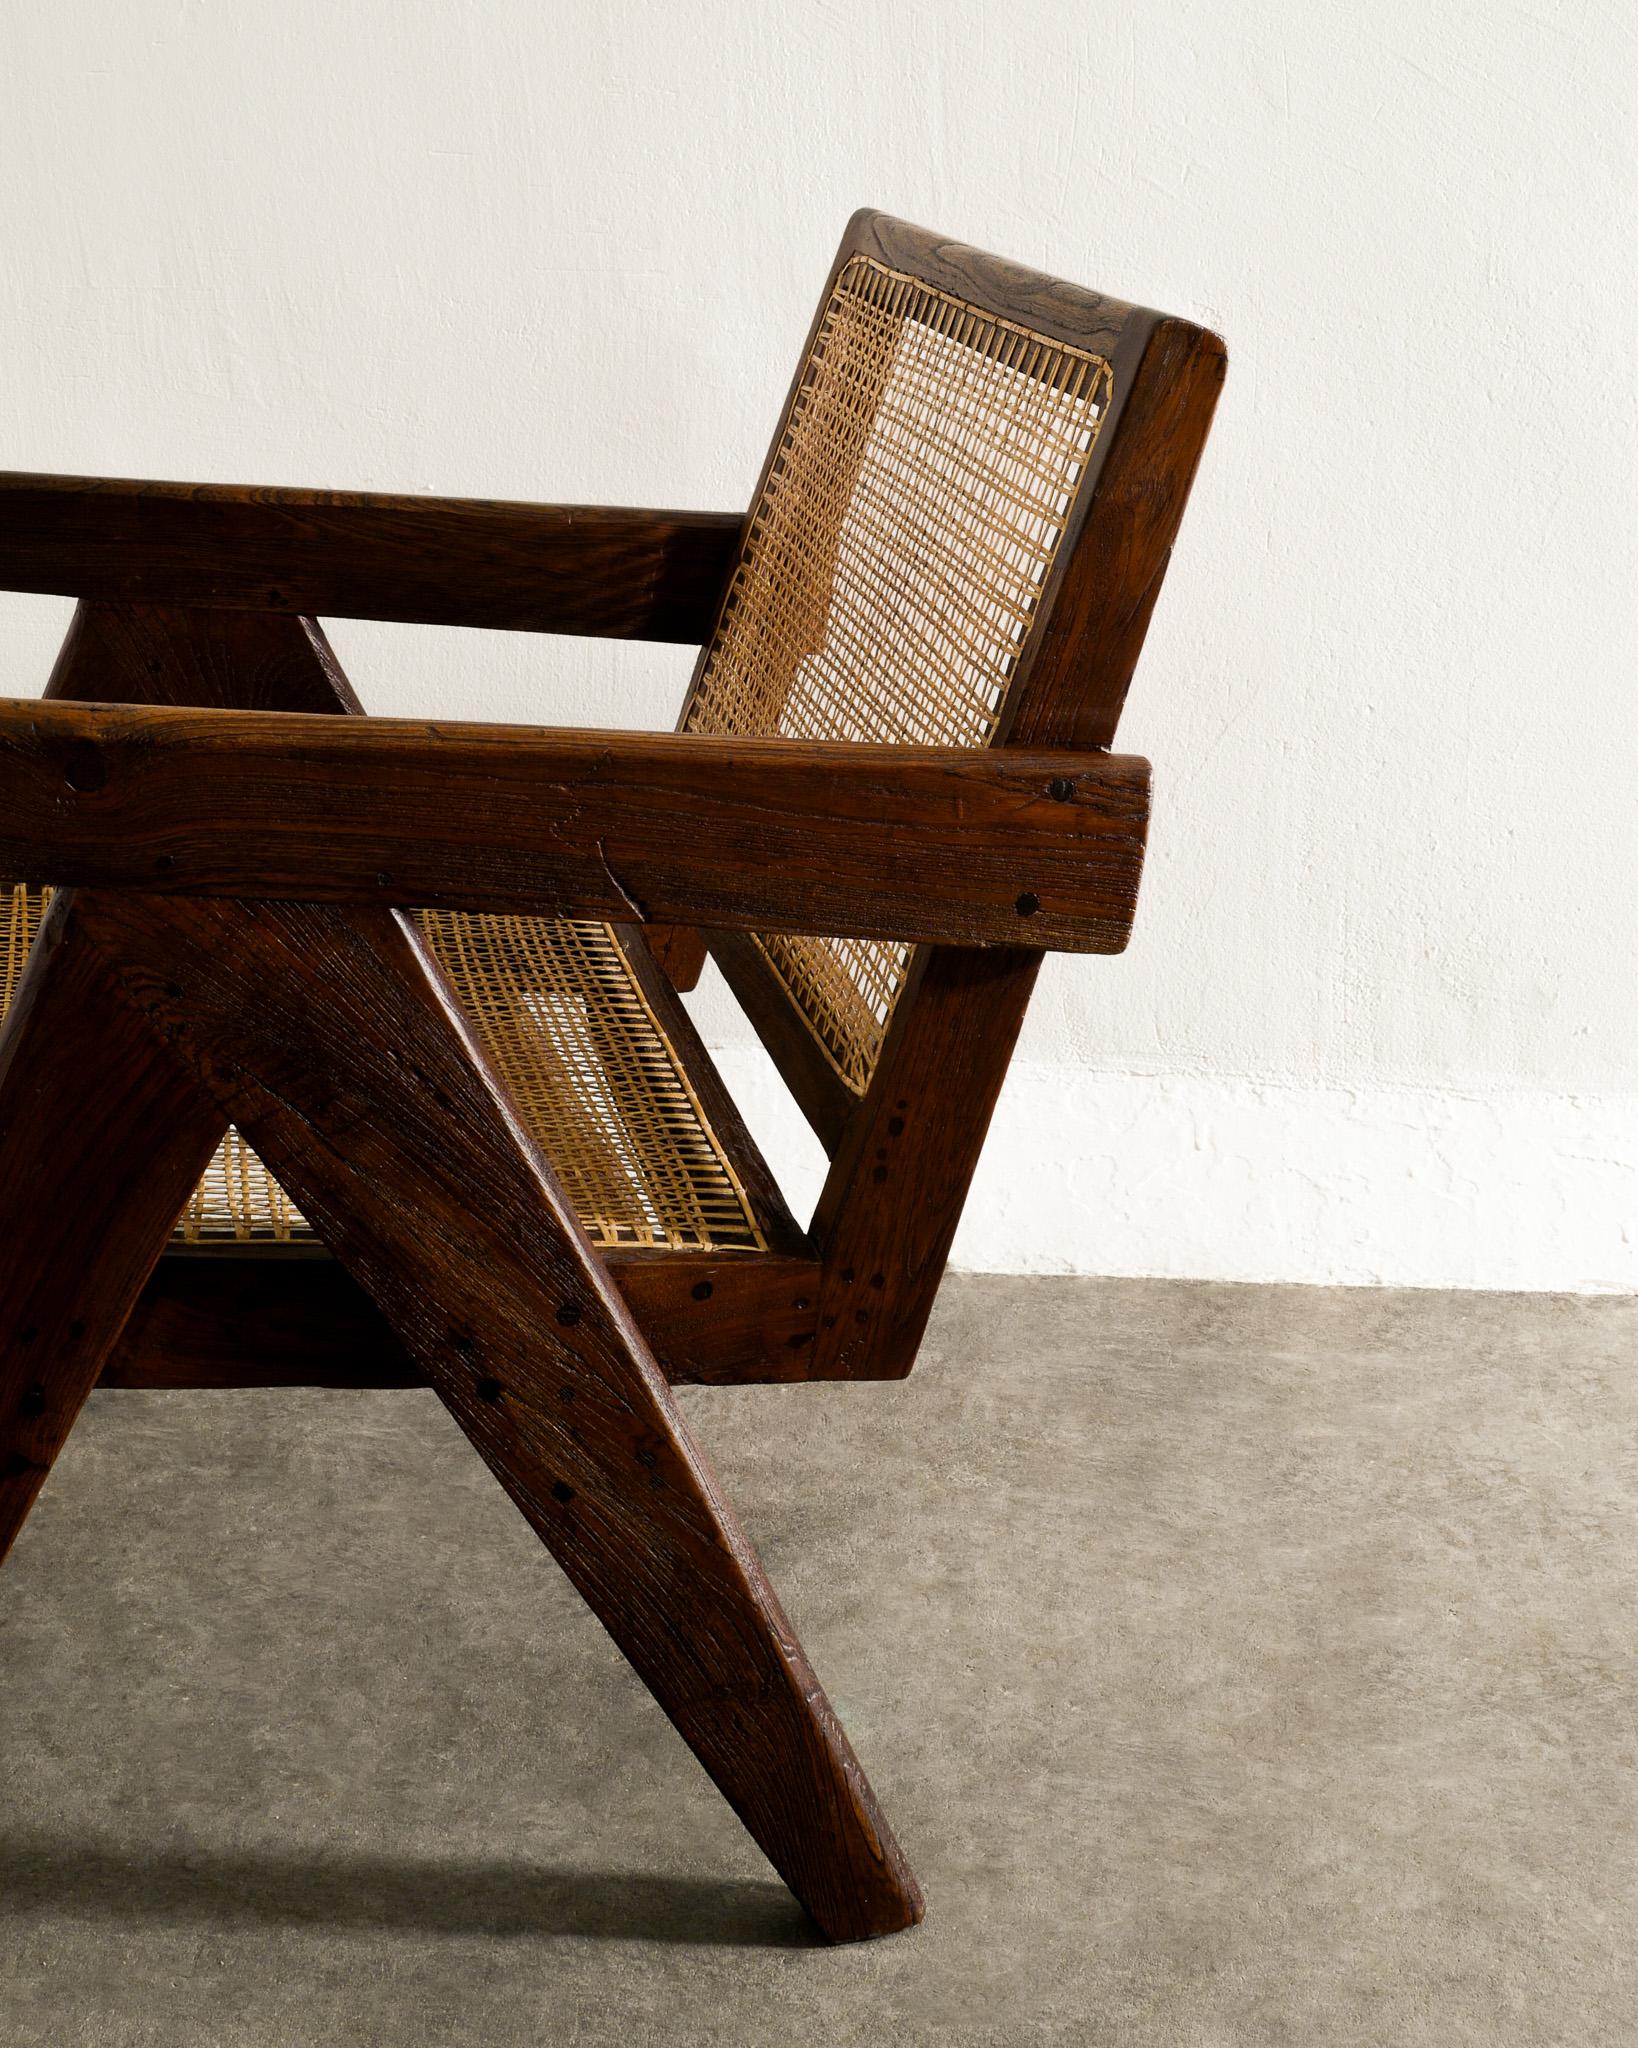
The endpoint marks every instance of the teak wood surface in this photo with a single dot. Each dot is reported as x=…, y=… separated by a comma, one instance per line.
x=928, y=842
x=328, y=1036
x=593, y=570
x=229, y=942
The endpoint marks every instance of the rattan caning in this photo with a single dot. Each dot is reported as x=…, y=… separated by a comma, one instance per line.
x=893, y=564
x=597, y=1081
x=594, y=1076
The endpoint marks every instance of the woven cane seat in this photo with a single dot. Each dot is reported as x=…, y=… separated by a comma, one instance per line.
x=597, y=1082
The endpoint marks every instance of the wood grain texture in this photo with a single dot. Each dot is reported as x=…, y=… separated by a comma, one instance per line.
x=728, y=1319
x=680, y=950
x=1068, y=313
x=225, y=661
x=102, y=1137
x=329, y=1037
x=598, y=570
x=968, y=846
x=899, y=1180
x=904, y=1158
x=237, y=1316
x=1101, y=596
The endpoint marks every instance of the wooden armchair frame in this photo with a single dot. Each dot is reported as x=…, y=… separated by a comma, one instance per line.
x=231, y=941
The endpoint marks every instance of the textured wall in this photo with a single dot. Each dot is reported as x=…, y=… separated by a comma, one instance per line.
x=1377, y=1020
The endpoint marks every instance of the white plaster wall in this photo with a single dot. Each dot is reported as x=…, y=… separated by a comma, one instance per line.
x=1377, y=1021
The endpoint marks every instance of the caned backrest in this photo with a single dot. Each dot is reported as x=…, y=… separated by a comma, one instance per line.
x=905, y=542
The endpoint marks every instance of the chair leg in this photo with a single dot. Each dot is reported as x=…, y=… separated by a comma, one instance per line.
x=329, y=1036
x=102, y=1138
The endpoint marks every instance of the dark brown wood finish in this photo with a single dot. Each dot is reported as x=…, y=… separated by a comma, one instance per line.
x=597, y=570
x=101, y=1143
x=1068, y=313
x=158, y=1009
x=1168, y=377
x=90, y=1107
x=249, y=1316
x=704, y=1630
x=726, y=1319
x=899, y=1178
x=901, y=1170
x=898, y=842
x=680, y=950
x=238, y=1315
x=224, y=661
x=328, y=1035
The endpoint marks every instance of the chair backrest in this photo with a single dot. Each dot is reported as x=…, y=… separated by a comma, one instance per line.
x=893, y=566
x=956, y=539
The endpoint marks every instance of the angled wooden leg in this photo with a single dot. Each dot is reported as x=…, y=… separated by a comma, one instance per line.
x=891, y=1202
x=331, y=1039
x=102, y=1138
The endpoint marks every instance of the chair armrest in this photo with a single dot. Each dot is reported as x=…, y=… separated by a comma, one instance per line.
x=597, y=570
x=969, y=846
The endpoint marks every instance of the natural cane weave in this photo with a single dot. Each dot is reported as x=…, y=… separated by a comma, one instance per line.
x=567, y=1028
x=893, y=564
x=596, y=1081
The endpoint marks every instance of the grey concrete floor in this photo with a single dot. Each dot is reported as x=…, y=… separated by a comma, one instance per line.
x=1238, y=1665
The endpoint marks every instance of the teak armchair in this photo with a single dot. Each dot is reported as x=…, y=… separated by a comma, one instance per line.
x=348, y=1051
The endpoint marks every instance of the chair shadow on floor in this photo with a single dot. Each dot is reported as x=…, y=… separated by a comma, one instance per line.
x=47, y=1876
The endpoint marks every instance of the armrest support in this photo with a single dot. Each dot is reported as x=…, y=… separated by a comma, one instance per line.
x=584, y=569
x=967, y=846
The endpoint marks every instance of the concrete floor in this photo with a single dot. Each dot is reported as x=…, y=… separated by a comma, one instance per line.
x=1238, y=1665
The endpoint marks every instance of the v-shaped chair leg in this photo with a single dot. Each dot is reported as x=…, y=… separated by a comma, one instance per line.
x=329, y=1037
x=102, y=1139
x=102, y=1136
